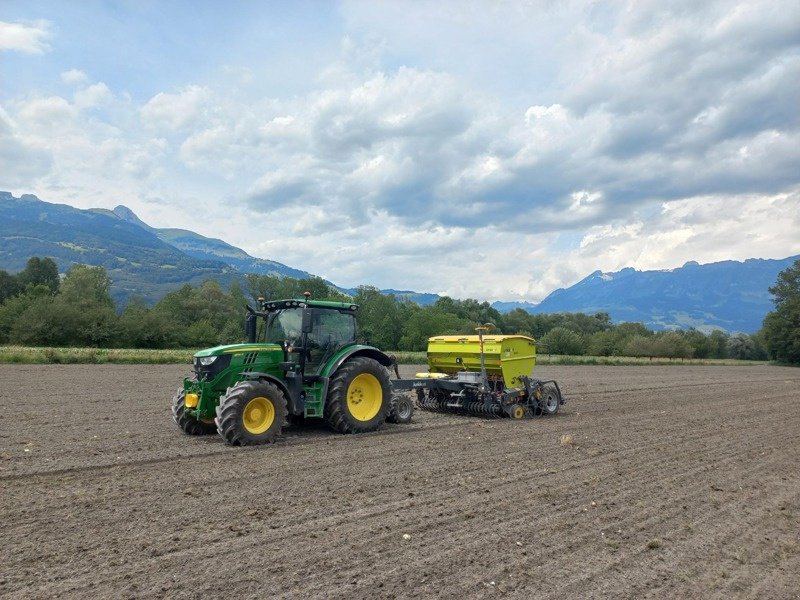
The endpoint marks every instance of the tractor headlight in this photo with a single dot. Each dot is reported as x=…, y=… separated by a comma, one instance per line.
x=206, y=360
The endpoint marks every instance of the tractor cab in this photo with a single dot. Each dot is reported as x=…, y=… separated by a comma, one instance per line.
x=309, y=332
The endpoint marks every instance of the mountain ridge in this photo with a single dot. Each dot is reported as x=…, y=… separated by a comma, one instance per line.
x=149, y=262
x=729, y=294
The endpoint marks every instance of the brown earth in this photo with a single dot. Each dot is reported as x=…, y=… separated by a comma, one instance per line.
x=682, y=482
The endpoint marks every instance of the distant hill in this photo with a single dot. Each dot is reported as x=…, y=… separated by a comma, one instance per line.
x=727, y=295
x=198, y=246
x=141, y=260
x=504, y=307
x=420, y=298
x=150, y=262
x=138, y=261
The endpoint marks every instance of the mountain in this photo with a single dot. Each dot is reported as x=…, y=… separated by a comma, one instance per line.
x=504, y=307
x=138, y=261
x=420, y=298
x=727, y=295
x=150, y=262
x=201, y=247
x=141, y=260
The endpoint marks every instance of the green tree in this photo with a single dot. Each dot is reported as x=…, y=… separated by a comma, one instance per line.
x=186, y=308
x=9, y=286
x=426, y=322
x=561, y=340
x=472, y=311
x=40, y=271
x=604, y=343
x=143, y=327
x=781, y=329
x=273, y=287
x=701, y=345
x=719, y=343
x=671, y=344
x=13, y=308
x=640, y=345
x=81, y=314
x=742, y=347
x=519, y=321
x=381, y=318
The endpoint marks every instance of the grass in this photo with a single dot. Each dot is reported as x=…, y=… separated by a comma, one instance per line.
x=562, y=359
x=26, y=355
x=29, y=355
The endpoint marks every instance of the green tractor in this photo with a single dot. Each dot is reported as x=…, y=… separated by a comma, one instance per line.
x=301, y=360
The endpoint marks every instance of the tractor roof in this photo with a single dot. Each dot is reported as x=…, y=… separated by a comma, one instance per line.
x=303, y=302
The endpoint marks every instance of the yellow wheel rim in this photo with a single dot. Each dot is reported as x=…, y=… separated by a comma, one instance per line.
x=258, y=415
x=517, y=412
x=364, y=397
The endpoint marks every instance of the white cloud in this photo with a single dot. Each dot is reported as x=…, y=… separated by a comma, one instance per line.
x=491, y=150
x=26, y=38
x=176, y=112
x=74, y=77
x=20, y=161
x=714, y=227
x=92, y=96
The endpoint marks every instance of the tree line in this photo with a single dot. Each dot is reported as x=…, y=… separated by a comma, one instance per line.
x=39, y=308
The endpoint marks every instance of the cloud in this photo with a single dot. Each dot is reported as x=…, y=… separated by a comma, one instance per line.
x=92, y=96
x=715, y=227
x=492, y=150
x=179, y=111
x=74, y=76
x=20, y=161
x=26, y=38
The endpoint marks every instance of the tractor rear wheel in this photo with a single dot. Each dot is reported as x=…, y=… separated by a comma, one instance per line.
x=359, y=398
x=251, y=413
x=402, y=409
x=550, y=401
x=189, y=424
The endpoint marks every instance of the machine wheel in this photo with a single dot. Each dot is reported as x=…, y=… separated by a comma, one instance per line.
x=359, y=398
x=189, y=424
x=402, y=409
x=251, y=413
x=517, y=412
x=550, y=401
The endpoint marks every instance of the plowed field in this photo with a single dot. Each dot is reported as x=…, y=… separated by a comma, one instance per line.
x=681, y=482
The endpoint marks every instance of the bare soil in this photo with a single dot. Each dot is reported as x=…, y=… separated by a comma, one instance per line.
x=680, y=482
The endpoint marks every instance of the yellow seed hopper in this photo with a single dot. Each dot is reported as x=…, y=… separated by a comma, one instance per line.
x=510, y=356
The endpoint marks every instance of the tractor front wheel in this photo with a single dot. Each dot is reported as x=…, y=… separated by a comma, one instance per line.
x=359, y=398
x=251, y=413
x=189, y=424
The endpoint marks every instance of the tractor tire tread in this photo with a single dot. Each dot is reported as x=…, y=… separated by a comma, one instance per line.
x=231, y=403
x=189, y=424
x=336, y=412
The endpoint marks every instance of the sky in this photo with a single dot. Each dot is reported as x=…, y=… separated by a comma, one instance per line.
x=490, y=150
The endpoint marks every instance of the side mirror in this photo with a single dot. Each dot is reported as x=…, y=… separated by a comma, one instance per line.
x=308, y=323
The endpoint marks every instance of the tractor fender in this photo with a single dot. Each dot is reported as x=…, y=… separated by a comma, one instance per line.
x=359, y=351
x=271, y=378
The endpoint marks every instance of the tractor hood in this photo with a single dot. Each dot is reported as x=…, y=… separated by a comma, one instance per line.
x=236, y=349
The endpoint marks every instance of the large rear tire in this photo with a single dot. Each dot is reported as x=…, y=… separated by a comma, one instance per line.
x=251, y=413
x=359, y=397
x=189, y=424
